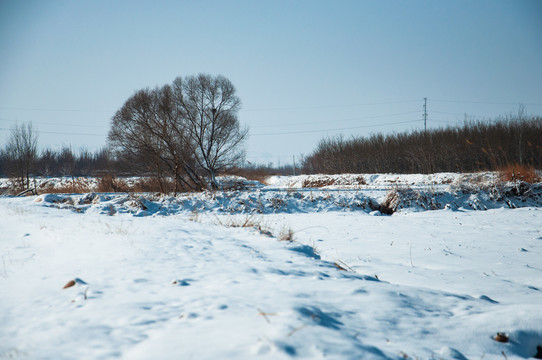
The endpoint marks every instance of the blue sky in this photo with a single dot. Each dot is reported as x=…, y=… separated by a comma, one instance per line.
x=304, y=70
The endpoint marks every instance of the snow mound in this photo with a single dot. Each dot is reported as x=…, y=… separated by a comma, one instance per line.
x=266, y=200
x=192, y=276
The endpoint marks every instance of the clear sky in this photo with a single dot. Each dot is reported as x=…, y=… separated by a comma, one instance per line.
x=304, y=70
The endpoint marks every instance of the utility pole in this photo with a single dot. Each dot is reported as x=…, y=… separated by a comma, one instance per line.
x=424, y=114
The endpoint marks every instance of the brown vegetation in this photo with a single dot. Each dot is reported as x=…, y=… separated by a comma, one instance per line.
x=262, y=172
x=69, y=284
x=286, y=234
x=109, y=183
x=259, y=174
x=517, y=172
x=476, y=146
x=74, y=186
x=322, y=181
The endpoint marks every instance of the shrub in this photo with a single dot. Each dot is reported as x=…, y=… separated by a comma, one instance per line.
x=109, y=183
x=286, y=234
x=75, y=186
x=153, y=184
x=475, y=146
x=518, y=172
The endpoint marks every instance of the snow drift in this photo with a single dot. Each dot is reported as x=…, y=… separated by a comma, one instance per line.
x=140, y=276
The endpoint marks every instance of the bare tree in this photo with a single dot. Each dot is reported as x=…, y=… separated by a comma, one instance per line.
x=66, y=161
x=181, y=129
x=209, y=106
x=148, y=131
x=47, y=162
x=21, y=153
x=477, y=145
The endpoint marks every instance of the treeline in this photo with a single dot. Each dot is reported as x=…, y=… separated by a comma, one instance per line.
x=475, y=146
x=63, y=162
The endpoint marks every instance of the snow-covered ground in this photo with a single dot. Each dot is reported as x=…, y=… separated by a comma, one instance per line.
x=344, y=181
x=204, y=276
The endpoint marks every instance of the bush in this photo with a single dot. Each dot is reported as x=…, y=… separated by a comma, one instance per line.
x=108, y=183
x=517, y=172
x=475, y=146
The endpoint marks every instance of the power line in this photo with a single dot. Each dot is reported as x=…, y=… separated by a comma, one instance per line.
x=57, y=124
x=53, y=110
x=443, y=121
x=260, y=126
x=261, y=134
x=329, y=106
x=59, y=133
x=248, y=109
x=341, y=129
x=335, y=121
x=463, y=115
x=486, y=102
x=449, y=113
x=8, y=108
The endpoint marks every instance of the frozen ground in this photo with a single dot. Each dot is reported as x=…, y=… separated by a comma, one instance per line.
x=345, y=181
x=171, y=278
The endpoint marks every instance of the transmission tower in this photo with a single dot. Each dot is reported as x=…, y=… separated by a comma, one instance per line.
x=424, y=114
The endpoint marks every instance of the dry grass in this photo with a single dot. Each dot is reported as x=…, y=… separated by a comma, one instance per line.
x=254, y=221
x=517, y=172
x=250, y=221
x=109, y=183
x=75, y=186
x=324, y=180
x=317, y=183
x=259, y=175
x=341, y=265
x=399, y=198
x=476, y=182
x=286, y=234
x=152, y=184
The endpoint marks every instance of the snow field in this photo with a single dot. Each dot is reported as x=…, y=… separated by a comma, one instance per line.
x=462, y=275
x=170, y=278
x=152, y=280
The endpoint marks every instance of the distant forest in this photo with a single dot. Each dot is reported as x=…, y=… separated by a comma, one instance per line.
x=66, y=162
x=475, y=146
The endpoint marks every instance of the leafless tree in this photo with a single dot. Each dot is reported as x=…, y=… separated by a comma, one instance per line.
x=477, y=145
x=21, y=153
x=66, y=161
x=47, y=162
x=148, y=131
x=182, y=129
x=209, y=108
